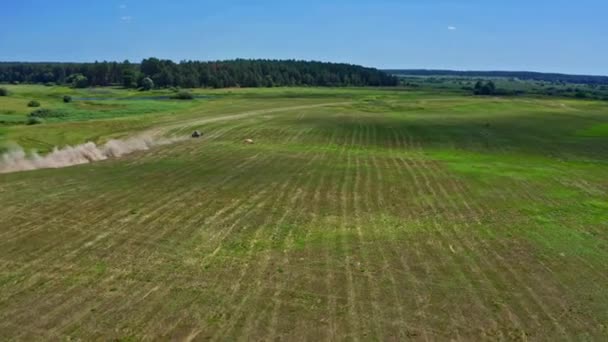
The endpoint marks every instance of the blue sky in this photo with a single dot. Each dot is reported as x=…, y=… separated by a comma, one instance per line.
x=538, y=35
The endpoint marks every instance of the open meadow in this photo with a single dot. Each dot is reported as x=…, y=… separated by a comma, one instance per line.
x=357, y=214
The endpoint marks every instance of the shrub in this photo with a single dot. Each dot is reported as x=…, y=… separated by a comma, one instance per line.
x=3, y=92
x=81, y=82
x=34, y=121
x=33, y=103
x=78, y=81
x=183, y=95
x=580, y=94
x=45, y=113
x=488, y=88
x=67, y=99
x=49, y=84
x=147, y=84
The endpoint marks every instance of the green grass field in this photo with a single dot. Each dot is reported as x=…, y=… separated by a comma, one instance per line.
x=358, y=214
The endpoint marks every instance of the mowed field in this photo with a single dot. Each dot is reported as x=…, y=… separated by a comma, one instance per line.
x=356, y=215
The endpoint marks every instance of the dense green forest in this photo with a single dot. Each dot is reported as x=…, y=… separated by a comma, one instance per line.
x=153, y=72
x=522, y=75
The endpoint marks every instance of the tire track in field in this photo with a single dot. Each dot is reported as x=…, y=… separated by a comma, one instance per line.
x=294, y=199
x=381, y=242
x=194, y=334
x=91, y=200
x=500, y=260
x=446, y=233
x=353, y=317
x=521, y=305
x=439, y=262
x=222, y=212
x=16, y=215
x=439, y=201
x=423, y=254
x=362, y=317
x=301, y=326
x=194, y=217
x=438, y=208
x=416, y=284
x=238, y=207
x=467, y=246
x=40, y=258
x=243, y=212
x=321, y=175
x=254, y=293
x=157, y=207
x=275, y=302
x=29, y=226
x=535, y=195
x=120, y=201
x=186, y=196
x=315, y=194
x=282, y=187
x=253, y=204
x=471, y=248
x=332, y=280
x=361, y=198
x=533, y=294
x=259, y=194
x=71, y=296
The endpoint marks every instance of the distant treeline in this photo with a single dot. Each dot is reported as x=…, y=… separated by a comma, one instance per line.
x=194, y=74
x=523, y=75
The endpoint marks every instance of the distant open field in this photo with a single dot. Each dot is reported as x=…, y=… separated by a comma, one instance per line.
x=358, y=214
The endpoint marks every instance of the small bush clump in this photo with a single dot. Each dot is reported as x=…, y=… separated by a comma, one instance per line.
x=78, y=81
x=580, y=94
x=45, y=113
x=34, y=121
x=33, y=103
x=147, y=84
x=3, y=92
x=481, y=88
x=183, y=95
x=67, y=99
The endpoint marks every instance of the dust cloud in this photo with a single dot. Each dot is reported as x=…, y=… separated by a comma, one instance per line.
x=16, y=159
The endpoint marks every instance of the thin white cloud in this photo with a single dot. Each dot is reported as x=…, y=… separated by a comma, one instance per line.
x=126, y=19
x=452, y=28
x=123, y=6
